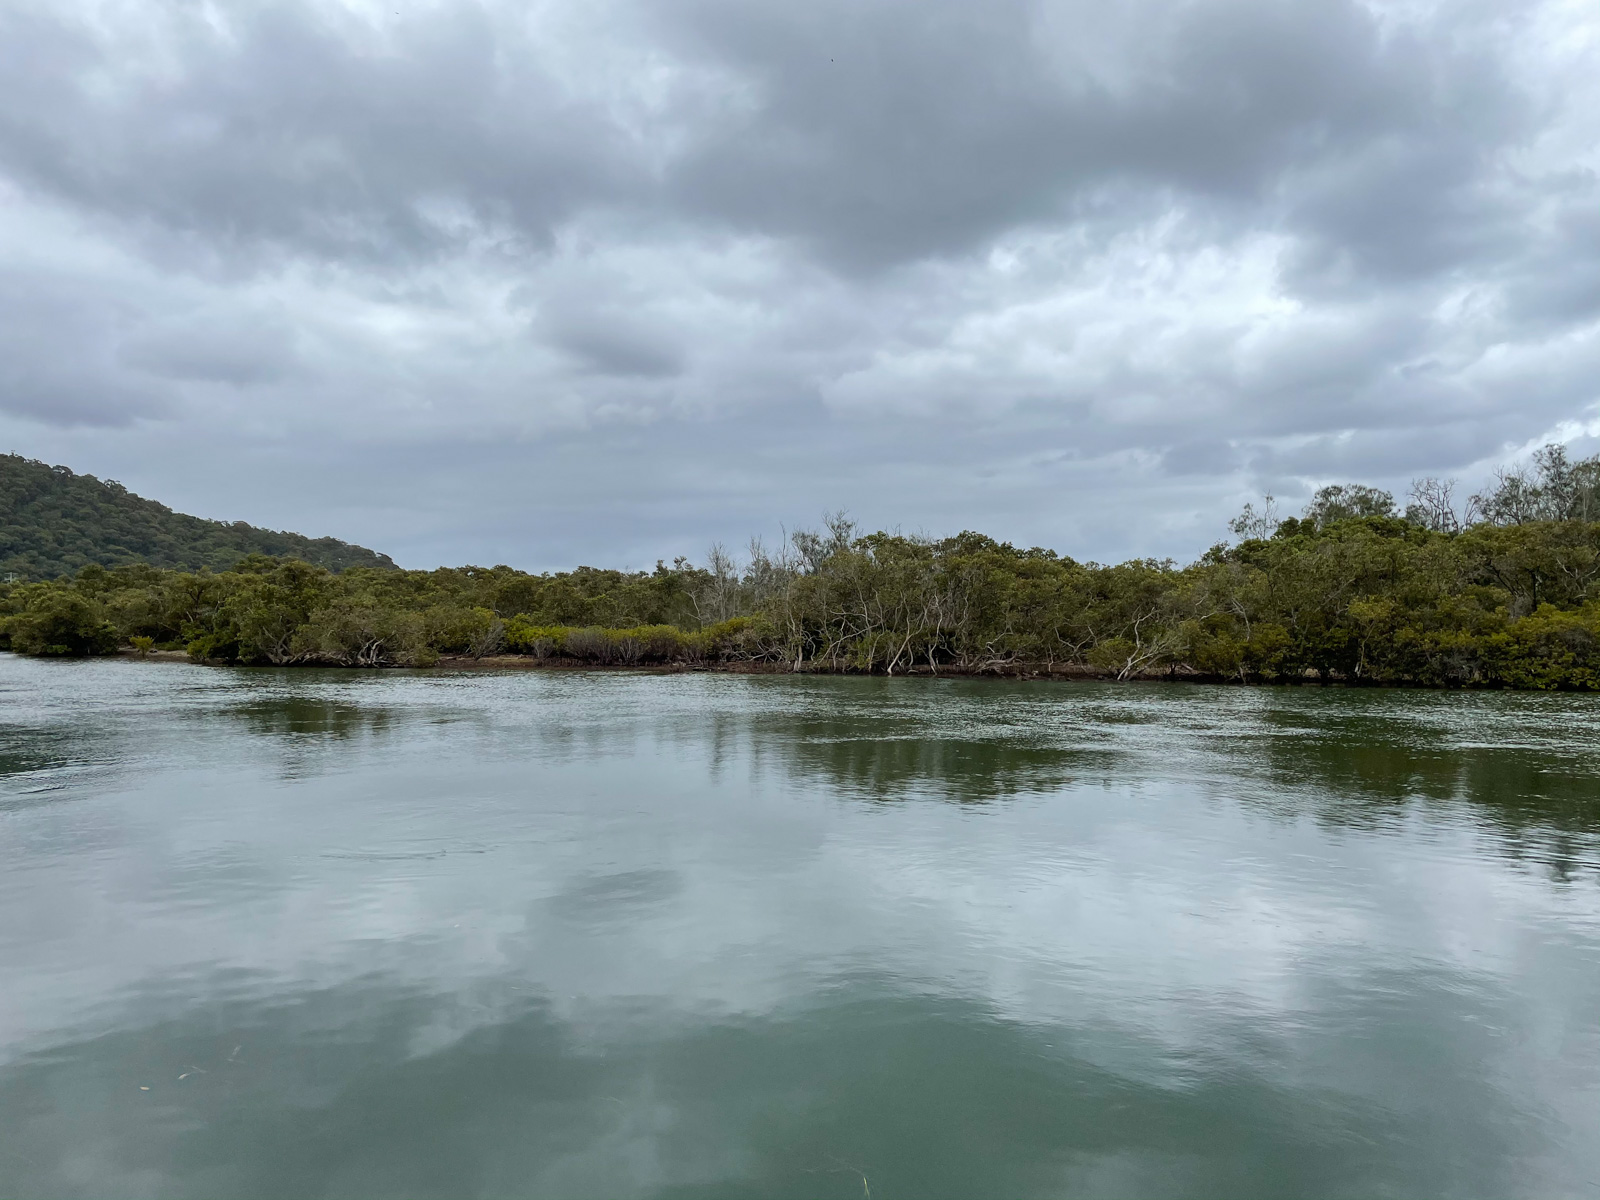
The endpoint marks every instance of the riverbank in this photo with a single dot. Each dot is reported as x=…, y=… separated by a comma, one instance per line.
x=1358, y=600
x=1064, y=672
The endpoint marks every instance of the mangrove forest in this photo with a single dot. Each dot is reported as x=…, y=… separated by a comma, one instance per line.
x=1356, y=589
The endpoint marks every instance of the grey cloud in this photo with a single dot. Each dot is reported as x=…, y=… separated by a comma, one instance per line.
x=235, y=350
x=56, y=361
x=898, y=130
x=880, y=133
x=1558, y=283
x=1203, y=456
x=612, y=343
x=1082, y=274
x=285, y=127
x=73, y=397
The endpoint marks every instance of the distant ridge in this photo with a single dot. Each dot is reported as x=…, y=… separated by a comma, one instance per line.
x=54, y=522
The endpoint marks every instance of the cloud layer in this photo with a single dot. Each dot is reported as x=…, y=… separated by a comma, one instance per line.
x=602, y=281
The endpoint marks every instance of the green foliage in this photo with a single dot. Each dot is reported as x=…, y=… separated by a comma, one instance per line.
x=53, y=523
x=1364, y=599
x=1344, y=501
x=57, y=621
x=1350, y=591
x=1553, y=649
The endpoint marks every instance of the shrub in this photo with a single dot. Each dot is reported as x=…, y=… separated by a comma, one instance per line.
x=220, y=645
x=648, y=643
x=589, y=644
x=58, y=622
x=625, y=646
x=737, y=638
x=1550, y=649
x=663, y=643
x=453, y=629
x=523, y=636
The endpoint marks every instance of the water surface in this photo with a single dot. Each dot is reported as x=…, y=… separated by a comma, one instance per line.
x=304, y=933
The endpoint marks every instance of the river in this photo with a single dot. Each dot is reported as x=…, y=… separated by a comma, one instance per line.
x=562, y=934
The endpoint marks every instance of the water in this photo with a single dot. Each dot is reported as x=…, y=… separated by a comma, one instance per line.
x=307, y=934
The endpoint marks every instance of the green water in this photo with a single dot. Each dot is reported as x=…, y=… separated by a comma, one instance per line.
x=572, y=935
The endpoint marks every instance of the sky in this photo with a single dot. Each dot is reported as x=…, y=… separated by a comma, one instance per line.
x=607, y=281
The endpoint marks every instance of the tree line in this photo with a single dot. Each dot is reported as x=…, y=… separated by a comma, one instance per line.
x=1501, y=591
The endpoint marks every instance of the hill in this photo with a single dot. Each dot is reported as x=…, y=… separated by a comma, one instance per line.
x=53, y=522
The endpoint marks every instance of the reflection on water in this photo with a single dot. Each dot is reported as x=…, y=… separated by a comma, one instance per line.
x=28, y=751
x=310, y=716
x=1535, y=764
x=888, y=768
x=803, y=1101
x=321, y=933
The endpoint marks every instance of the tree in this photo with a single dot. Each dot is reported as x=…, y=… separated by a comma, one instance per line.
x=1433, y=505
x=1551, y=488
x=1253, y=523
x=1342, y=501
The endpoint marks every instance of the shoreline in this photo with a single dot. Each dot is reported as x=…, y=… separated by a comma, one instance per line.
x=1019, y=672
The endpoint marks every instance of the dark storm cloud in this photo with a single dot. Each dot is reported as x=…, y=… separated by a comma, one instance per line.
x=950, y=262
x=881, y=132
x=896, y=130
x=291, y=126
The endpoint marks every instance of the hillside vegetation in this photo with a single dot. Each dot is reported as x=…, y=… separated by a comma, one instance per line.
x=54, y=522
x=1506, y=594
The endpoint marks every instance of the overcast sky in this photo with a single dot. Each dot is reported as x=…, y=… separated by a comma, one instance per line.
x=603, y=281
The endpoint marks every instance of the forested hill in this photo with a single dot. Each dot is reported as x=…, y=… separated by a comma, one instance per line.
x=54, y=522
